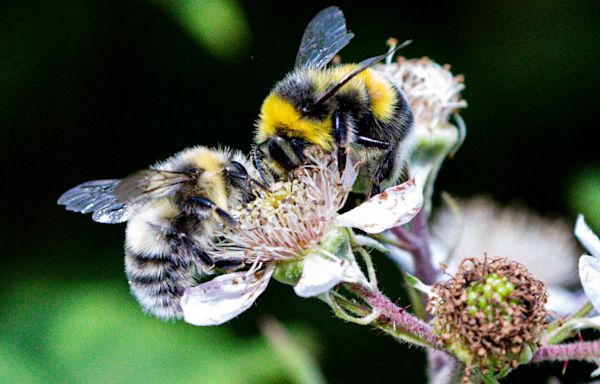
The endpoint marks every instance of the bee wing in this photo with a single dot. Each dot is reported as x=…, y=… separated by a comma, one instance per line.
x=113, y=201
x=323, y=38
x=149, y=184
x=96, y=196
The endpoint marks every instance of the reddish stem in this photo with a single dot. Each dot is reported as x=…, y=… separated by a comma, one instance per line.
x=396, y=315
x=582, y=350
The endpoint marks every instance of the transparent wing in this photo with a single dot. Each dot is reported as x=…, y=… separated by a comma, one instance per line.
x=323, y=38
x=113, y=201
x=149, y=184
x=98, y=197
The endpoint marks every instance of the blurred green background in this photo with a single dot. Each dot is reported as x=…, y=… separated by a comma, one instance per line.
x=93, y=89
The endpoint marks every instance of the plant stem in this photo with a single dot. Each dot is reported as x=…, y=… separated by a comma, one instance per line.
x=583, y=350
x=395, y=320
x=418, y=241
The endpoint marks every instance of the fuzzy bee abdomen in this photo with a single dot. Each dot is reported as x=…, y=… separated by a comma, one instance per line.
x=158, y=282
x=157, y=273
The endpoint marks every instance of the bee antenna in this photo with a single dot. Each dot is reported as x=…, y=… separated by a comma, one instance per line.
x=257, y=162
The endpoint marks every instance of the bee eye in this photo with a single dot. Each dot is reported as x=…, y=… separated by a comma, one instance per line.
x=236, y=170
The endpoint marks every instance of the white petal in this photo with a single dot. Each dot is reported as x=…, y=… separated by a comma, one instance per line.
x=589, y=273
x=224, y=297
x=394, y=206
x=319, y=275
x=587, y=237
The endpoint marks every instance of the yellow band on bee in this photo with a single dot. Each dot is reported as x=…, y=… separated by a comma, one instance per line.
x=382, y=96
x=279, y=116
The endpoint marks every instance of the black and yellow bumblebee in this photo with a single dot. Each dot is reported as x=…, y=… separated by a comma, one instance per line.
x=172, y=210
x=349, y=108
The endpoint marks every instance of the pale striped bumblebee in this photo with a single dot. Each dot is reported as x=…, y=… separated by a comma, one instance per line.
x=347, y=108
x=172, y=210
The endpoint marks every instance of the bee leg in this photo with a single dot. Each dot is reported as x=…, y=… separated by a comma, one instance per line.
x=368, y=142
x=228, y=263
x=205, y=203
x=383, y=171
x=340, y=135
x=182, y=240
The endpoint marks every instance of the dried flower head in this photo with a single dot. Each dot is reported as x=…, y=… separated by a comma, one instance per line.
x=543, y=245
x=490, y=313
x=431, y=89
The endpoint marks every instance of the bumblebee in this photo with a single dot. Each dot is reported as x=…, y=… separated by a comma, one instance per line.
x=172, y=210
x=348, y=108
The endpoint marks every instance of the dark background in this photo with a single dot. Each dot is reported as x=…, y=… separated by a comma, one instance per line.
x=96, y=89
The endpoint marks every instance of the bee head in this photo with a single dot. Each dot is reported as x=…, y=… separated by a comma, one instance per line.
x=237, y=177
x=286, y=152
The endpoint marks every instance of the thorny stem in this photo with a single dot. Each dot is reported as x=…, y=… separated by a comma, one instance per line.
x=584, y=350
x=561, y=330
x=395, y=320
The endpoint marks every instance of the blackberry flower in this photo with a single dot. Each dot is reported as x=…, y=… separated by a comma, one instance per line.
x=294, y=233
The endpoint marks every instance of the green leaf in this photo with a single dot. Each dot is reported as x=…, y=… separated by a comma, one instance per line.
x=218, y=25
x=301, y=365
x=96, y=333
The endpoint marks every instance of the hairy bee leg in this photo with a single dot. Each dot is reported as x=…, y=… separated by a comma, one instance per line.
x=368, y=142
x=203, y=202
x=340, y=135
x=180, y=239
x=383, y=171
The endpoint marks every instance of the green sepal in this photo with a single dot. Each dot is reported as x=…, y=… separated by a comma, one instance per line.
x=288, y=272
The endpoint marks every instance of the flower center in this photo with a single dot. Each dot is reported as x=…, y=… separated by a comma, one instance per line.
x=490, y=296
